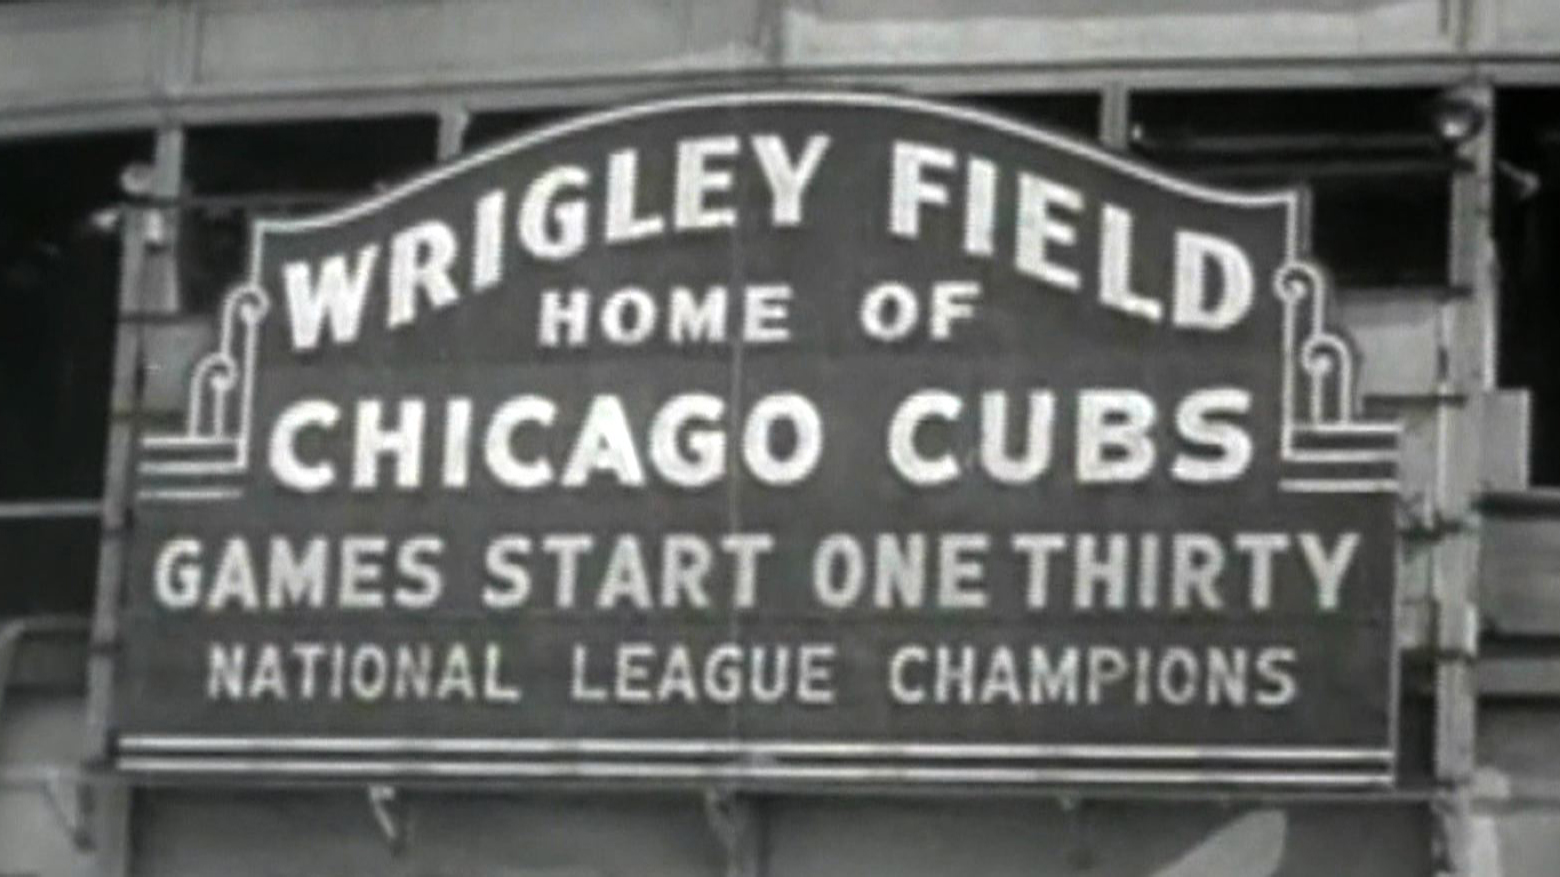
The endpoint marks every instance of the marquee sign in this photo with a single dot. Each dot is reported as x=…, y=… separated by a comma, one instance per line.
x=781, y=437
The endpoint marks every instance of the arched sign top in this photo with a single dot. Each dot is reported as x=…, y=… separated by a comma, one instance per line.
x=841, y=100
x=814, y=437
x=1056, y=212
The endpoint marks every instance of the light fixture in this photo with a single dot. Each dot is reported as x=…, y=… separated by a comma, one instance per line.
x=136, y=180
x=1457, y=118
x=104, y=220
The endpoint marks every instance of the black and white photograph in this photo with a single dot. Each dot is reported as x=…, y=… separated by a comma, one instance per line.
x=779, y=438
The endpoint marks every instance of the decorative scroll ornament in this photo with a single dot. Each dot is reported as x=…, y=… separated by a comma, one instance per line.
x=206, y=460
x=1325, y=449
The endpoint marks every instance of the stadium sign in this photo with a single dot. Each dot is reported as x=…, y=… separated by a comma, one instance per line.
x=778, y=438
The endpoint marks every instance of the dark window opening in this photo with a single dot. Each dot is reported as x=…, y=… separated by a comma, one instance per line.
x=59, y=285
x=1527, y=233
x=1072, y=113
x=235, y=172
x=59, y=281
x=338, y=157
x=1379, y=177
x=1076, y=114
x=50, y=566
x=487, y=128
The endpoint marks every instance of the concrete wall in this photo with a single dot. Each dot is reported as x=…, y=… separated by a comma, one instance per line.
x=109, y=60
x=847, y=32
x=40, y=736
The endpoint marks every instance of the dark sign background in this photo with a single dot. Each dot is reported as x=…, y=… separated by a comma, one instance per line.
x=1024, y=336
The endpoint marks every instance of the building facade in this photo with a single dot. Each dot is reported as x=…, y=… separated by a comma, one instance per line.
x=140, y=138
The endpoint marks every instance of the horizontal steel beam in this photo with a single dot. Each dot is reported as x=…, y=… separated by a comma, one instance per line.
x=50, y=509
x=46, y=115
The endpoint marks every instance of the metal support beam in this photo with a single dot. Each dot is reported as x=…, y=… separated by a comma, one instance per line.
x=109, y=800
x=391, y=816
x=151, y=189
x=453, y=122
x=738, y=826
x=1080, y=853
x=50, y=509
x=1116, y=116
x=180, y=98
x=1466, y=351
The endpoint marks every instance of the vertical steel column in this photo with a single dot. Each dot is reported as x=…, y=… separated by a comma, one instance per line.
x=110, y=810
x=162, y=292
x=739, y=826
x=453, y=121
x=148, y=285
x=1465, y=376
x=1116, y=116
